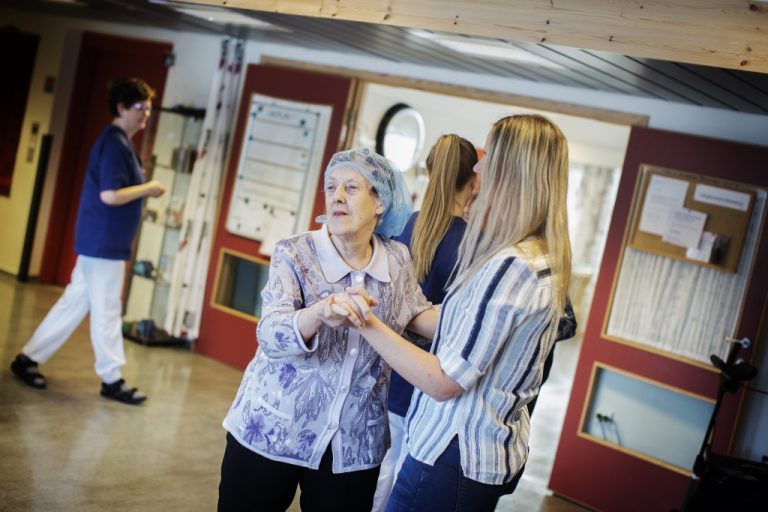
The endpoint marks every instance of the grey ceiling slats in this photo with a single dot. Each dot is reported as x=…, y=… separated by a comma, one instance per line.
x=665, y=85
x=545, y=74
x=456, y=61
x=620, y=71
x=580, y=72
x=333, y=33
x=719, y=96
x=733, y=84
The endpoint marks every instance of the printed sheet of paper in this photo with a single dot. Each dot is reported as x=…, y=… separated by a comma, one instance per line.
x=274, y=189
x=664, y=196
x=721, y=197
x=685, y=227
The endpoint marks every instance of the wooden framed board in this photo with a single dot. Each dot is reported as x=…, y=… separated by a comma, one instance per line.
x=671, y=205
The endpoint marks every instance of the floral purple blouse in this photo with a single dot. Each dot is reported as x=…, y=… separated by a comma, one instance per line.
x=296, y=397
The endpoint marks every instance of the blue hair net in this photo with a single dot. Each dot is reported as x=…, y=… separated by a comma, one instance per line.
x=387, y=181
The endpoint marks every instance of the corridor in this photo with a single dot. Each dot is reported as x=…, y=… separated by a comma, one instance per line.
x=68, y=449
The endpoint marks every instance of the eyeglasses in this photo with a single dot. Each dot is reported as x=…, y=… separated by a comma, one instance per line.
x=350, y=188
x=141, y=107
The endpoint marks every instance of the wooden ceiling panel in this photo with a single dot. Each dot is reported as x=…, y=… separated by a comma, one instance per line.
x=730, y=34
x=329, y=26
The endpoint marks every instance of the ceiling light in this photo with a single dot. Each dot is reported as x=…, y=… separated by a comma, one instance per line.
x=486, y=48
x=224, y=17
x=220, y=16
x=78, y=3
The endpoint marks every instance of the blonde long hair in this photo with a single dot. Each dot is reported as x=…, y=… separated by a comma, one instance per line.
x=450, y=163
x=522, y=201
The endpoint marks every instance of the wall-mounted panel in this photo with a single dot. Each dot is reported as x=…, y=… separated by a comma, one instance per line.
x=649, y=420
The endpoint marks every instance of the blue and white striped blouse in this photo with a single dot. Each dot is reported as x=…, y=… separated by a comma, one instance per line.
x=491, y=340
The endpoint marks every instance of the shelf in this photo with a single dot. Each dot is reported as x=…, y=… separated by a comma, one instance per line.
x=173, y=156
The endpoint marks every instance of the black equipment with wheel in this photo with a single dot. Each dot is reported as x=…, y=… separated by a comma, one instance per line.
x=721, y=483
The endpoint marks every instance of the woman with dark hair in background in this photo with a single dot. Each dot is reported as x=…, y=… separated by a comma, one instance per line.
x=111, y=203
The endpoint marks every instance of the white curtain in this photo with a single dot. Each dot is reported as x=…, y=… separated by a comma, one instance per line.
x=591, y=195
x=190, y=267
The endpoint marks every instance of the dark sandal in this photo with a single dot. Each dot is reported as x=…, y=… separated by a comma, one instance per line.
x=26, y=369
x=120, y=391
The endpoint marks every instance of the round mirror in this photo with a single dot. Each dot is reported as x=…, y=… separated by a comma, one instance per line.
x=400, y=136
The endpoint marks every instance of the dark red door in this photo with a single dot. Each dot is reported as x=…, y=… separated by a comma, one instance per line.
x=102, y=58
x=603, y=475
x=20, y=64
x=224, y=336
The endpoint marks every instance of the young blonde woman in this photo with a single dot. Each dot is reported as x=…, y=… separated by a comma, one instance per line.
x=468, y=424
x=433, y=235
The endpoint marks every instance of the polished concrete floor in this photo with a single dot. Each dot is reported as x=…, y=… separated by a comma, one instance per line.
x=68, y=449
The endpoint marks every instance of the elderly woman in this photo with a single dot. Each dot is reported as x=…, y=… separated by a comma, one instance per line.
x=312, y=406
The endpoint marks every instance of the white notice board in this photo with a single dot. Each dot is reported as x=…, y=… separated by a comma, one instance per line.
x=274, y=189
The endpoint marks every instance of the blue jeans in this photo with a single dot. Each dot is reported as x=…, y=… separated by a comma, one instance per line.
x=443, y=487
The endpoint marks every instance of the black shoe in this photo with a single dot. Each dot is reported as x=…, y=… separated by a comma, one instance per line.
x=120, y=391
x=26, y=369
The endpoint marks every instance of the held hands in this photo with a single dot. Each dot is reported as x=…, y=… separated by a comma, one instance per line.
x=350, y=308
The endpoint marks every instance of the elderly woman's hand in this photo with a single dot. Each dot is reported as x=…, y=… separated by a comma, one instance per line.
x=363, y=301
x=346, y=309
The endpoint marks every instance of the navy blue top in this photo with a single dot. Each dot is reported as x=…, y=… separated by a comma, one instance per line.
x=400, y=390
x=104, y=231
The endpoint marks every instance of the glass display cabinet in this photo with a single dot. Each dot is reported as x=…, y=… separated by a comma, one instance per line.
x=173, y=156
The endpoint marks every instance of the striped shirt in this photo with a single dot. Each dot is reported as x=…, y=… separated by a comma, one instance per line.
x=492, y=339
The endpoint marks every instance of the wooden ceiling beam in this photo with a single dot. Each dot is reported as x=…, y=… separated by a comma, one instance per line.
x=730, y=34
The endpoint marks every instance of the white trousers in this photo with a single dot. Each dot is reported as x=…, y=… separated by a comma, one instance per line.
x=390, y=466
x=96, y=287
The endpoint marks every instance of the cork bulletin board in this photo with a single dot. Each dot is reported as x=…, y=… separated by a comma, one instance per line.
x=689, y=217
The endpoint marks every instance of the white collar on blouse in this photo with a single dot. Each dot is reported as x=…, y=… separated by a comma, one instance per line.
x=334, y=267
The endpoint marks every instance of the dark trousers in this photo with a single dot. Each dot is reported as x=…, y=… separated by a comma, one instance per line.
x=443, y=487
x=252, y=482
